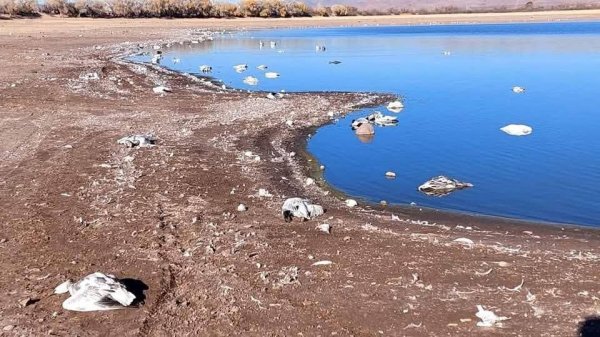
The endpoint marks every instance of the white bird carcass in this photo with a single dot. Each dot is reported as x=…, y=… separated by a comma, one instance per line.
x=518, y=90
x=300, y=208
x=161, y=89
x=251, y=80
x=517, y=129
x=262, y=67
x=271, y=75
x=95, y=292
x=487, y=317
x=205, y=68
x=240, y=68
x=441, y=186
x=137, y=140
x=379, y=119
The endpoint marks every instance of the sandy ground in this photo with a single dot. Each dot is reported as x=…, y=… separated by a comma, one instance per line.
x=72, y=201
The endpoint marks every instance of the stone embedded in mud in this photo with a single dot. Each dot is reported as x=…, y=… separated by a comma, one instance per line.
x=441, y=186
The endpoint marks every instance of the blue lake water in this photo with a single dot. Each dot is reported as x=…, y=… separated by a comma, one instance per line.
x=455, y=106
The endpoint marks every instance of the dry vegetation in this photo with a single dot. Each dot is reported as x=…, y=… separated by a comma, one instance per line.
x=210, y=9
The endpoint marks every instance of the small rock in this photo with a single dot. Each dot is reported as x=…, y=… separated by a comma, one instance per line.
x=322, y=167
x=242, y=208
x=25, y=302
x=309, y=181
x=383, y=203
x=8, y=327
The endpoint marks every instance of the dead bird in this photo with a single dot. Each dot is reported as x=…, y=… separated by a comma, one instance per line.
x=300, y=208
x=441, y=186
x=138, y=140
x=95, y=292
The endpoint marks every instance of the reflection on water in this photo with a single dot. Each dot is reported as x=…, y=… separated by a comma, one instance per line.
x=456, y=82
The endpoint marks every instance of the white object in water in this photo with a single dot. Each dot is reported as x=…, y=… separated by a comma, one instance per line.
x=351, y=203
x=156, y=59
x=137, y=140
x=262, y=67
x=251, y=80
x=379, y=119
x=240, y=68
x=176, y=60
x=395, y=106
x=441, y=186
x=273, y=44
x=487, y=317
x=271, y=75
x=517, y=129
x=161, y=89
x=447, y=53
x=300, y=208
x=95, y=292
x=518, y=90
x=390, y=174
x=205, y=68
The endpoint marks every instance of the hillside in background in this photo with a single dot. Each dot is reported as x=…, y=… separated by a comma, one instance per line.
x=462, y=5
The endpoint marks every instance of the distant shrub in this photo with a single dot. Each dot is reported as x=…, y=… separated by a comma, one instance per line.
x=343, y=10
x=225, y=10
x=19, y=7
x=298, y=9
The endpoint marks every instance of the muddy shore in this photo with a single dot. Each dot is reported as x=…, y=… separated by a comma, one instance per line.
x=73, y=202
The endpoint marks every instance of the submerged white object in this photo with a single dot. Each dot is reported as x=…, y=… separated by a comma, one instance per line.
x=487, y=317
x=240, y=68
x=161, y=89
x=441, y=186
x=95, y=292
x=351, y=203
x=518, y=90
x=517, y=129
x=300, y=208
x=137, y=140
x=251, y=80
x=271, y=75
x=395, y=106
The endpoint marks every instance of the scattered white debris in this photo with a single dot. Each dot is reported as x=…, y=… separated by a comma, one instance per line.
x=156, y=47
x=390, y=174
x=488, y=318
x=351, y=203
x=518, y=90
x=161, y=89
x=484, y=273
x=324, y=228
x=289, y=123
x=264, y=193
x=300, y=208
x=322, y=263
x=138, y=140
x=95, y=292
x=441, y=186
x=517, y=288
x=89, y=77
x=517, y=129
x=242, y=208
x=271, y=74
x=309, y=181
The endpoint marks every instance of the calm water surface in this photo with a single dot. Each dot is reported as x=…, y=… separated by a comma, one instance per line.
x=455, y=105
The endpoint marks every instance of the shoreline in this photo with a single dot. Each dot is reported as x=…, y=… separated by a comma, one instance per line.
x=75, y=202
